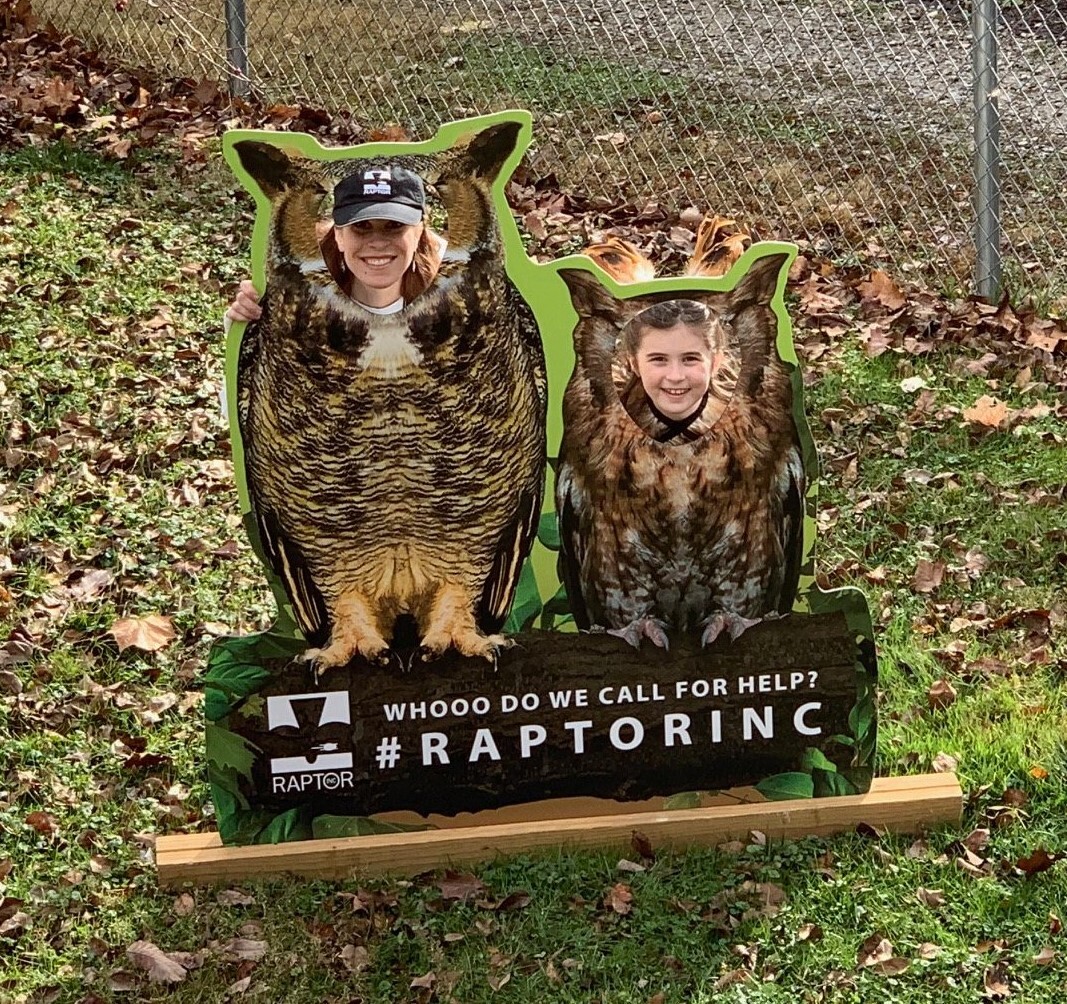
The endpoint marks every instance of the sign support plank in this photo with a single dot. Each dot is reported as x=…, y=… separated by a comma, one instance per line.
x=898, y=804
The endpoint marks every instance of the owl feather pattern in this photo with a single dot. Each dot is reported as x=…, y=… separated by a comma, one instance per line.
x=701, y=532
x=395, y=463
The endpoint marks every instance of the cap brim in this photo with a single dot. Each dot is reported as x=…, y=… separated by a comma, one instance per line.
x=408, y=215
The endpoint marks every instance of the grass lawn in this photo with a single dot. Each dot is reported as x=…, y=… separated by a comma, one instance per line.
x=117, y=499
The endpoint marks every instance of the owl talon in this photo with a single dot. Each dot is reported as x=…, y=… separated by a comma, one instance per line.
x=725, y=620
x=427, y=653
x=385, y=659
x=644, y=627
x=340, y=653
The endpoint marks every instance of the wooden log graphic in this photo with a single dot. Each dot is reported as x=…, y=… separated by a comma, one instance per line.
x=562, y=715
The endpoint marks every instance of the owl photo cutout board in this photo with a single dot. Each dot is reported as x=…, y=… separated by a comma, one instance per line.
x=534, y=534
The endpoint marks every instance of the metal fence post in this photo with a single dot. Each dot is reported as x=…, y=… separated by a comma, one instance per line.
x=987, y=235
x=237, y=48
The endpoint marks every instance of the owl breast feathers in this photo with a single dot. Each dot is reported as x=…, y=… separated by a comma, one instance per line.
x=699, y=531
x=395, y=463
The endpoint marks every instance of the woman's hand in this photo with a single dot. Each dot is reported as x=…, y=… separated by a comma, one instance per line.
x=245, y=306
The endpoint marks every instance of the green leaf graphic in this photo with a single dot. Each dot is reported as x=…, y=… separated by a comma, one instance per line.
x=683, y=800
x=548, y=531
x=785, y=786
x=360, y=826
x=230, y=751
x=814, y=758
x=830, y=782
x=527, y=603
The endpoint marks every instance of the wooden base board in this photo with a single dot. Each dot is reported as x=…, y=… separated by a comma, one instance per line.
x=898, y=804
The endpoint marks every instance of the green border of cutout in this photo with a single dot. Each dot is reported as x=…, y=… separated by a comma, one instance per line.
x=238, y=666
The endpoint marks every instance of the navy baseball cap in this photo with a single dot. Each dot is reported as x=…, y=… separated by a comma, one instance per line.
x=379, y=193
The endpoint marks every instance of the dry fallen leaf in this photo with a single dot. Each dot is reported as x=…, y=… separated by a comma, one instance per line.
x=1045, y=957
x=928, y=575
x=874, y=950
x=234, y=897
x=943, y=763
x=940, y=695
x=731, y=978
x=809, y=932
x=996, y=984
x=891, y=967
x=773, y=896
x=184, y=905
x=457, y=885
x=880, y=288
x=986, y=411
x=355, y=958
x=14, y=925
x=424, y=982
x=517, y=900
x=43, y=822
x=619, y=898
x=1040, y=861
x=149, y=634
x=160, y=968
x=642, y=846
x=930, y=897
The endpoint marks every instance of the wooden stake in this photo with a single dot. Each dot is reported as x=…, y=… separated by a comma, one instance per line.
x=897, y=804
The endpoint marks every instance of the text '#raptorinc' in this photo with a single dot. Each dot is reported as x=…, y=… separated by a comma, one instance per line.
x=624, y=734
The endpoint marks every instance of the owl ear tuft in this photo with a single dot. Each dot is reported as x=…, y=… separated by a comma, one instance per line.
x=487, y=150
x=269, y=165
x=759, y=283
x=587, y=294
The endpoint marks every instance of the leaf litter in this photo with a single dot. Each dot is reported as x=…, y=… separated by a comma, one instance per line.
x=105, y=593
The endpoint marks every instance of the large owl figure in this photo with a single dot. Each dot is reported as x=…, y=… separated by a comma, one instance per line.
x=395, y=462
x=680, y=526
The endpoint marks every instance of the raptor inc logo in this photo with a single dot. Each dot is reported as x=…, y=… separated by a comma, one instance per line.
x=324, y=768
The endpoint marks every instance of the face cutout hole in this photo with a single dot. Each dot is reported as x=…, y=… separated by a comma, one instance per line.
x=381, y=261
x=675, y=368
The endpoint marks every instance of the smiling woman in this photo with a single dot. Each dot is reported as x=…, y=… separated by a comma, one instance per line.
x=378, y=249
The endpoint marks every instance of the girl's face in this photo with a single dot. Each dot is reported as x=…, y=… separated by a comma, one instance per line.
x=675, y=367
x=377, y=253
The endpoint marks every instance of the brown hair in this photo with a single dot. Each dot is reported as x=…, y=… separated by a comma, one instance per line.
x=424, y=266
x=668, y=314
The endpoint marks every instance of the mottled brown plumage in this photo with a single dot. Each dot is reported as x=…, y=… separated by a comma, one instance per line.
x=622, y=260
x=702, y=532
x=395, y=463
x=719, y=243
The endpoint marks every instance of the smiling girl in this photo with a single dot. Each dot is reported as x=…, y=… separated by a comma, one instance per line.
x=672, y=353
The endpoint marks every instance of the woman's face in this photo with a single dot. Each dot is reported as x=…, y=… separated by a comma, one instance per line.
x=377, y=253
x=675, y=367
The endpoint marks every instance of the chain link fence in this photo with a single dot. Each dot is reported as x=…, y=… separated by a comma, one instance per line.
x=850, y=124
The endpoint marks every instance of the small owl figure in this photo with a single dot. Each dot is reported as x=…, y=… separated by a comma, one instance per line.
x=680, y=502
x=395, y=462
